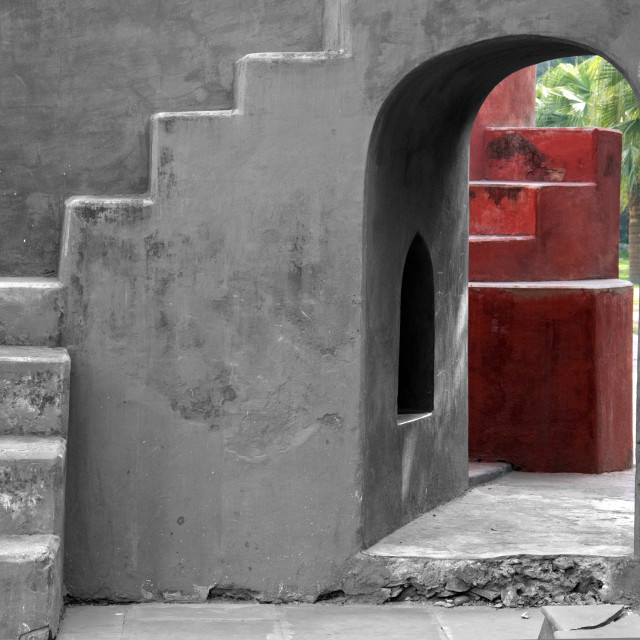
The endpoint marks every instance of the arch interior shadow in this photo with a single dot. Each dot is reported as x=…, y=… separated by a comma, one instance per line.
x=417, y=332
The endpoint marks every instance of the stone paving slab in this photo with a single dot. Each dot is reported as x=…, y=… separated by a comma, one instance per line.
x=296, y=622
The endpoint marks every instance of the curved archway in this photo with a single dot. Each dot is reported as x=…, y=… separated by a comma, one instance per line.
x=417, y=182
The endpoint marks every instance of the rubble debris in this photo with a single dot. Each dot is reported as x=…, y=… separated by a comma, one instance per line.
x=498, y=582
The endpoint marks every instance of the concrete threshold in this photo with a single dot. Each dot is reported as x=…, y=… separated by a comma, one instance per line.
x=525, y=539
x=483, y=472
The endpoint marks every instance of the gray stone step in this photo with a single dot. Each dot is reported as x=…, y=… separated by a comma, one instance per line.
x=483, y=472
x=31, y=311
x=31, y=484
x=30, y=585
x=34, y=390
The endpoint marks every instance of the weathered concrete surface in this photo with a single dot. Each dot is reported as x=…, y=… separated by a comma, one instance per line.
x=80, y=79
x=30, y=584
x=31, y=311
x=31, y=485
x=34, y=390
x=400, y=621
x=524, y=539
x=34, y=405
x=550, y=382
x=235, y=333
x=524, y=581
x=483, y=472
x=532, y=514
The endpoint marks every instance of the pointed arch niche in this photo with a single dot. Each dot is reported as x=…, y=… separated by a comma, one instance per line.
x=416, y=350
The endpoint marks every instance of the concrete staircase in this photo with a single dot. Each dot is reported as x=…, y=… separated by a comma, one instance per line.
x=34, y=405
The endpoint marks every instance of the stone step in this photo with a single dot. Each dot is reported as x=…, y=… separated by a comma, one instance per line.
x=34, y=390
x=30, y=586
x=510, y=208
x=31, y=484
x=31, y=311
x=548, y=154
x=572, y=237
x=483, y=472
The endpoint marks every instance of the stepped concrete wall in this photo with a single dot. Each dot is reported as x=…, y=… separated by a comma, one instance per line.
x=79, y=80
x=235, y=333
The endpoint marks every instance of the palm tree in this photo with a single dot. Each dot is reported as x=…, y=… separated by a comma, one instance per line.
x=593, y=93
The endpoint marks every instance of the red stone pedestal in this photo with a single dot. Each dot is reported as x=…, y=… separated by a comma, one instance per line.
x=549, y=328
x=550, y=375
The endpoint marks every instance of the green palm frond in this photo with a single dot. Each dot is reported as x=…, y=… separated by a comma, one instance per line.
x=593, y=93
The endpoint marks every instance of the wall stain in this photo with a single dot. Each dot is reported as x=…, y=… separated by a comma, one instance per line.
x=515, y=144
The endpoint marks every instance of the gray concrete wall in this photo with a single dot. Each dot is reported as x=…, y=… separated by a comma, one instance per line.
x=79, y=80
x=234, y=334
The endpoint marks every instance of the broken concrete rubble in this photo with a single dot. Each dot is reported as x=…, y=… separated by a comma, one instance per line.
x=509, y=582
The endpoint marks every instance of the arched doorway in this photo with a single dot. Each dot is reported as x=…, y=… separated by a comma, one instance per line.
x=417, y=183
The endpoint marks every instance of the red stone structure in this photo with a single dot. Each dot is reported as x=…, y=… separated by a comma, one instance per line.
x=550, y=341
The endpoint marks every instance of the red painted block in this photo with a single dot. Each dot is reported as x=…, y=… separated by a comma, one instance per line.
x=550, y=375
x=574, y=237
x=497, y=208
x=511, y=103
x=552, y=154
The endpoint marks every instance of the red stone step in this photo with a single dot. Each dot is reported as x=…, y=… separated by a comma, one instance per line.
x=498, y=208
x=563, y=233
x=552, y=154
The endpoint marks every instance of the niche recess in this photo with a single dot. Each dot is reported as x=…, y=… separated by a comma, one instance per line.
x=417, y=332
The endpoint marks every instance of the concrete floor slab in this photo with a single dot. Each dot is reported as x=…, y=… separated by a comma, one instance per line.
x=533, y=514
x=290, y=622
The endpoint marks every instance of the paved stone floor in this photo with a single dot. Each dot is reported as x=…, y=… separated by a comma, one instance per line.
x=297, y=622
x=525, y=514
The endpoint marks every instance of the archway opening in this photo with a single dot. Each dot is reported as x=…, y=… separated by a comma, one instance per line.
x=417, y=182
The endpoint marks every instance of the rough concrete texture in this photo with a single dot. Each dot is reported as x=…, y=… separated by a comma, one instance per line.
x=34, y=390
x=511, y=582
x=31, y=485
x=400, y=621
x=30, y=584
x=524, y=539
x=483, y=472
x=80, y=80
x=550, y=380
x=235, y=332
x=31, y=311
x=535, y=514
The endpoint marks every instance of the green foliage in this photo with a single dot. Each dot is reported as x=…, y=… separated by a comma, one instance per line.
x=623, y=265
x=593, y=93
